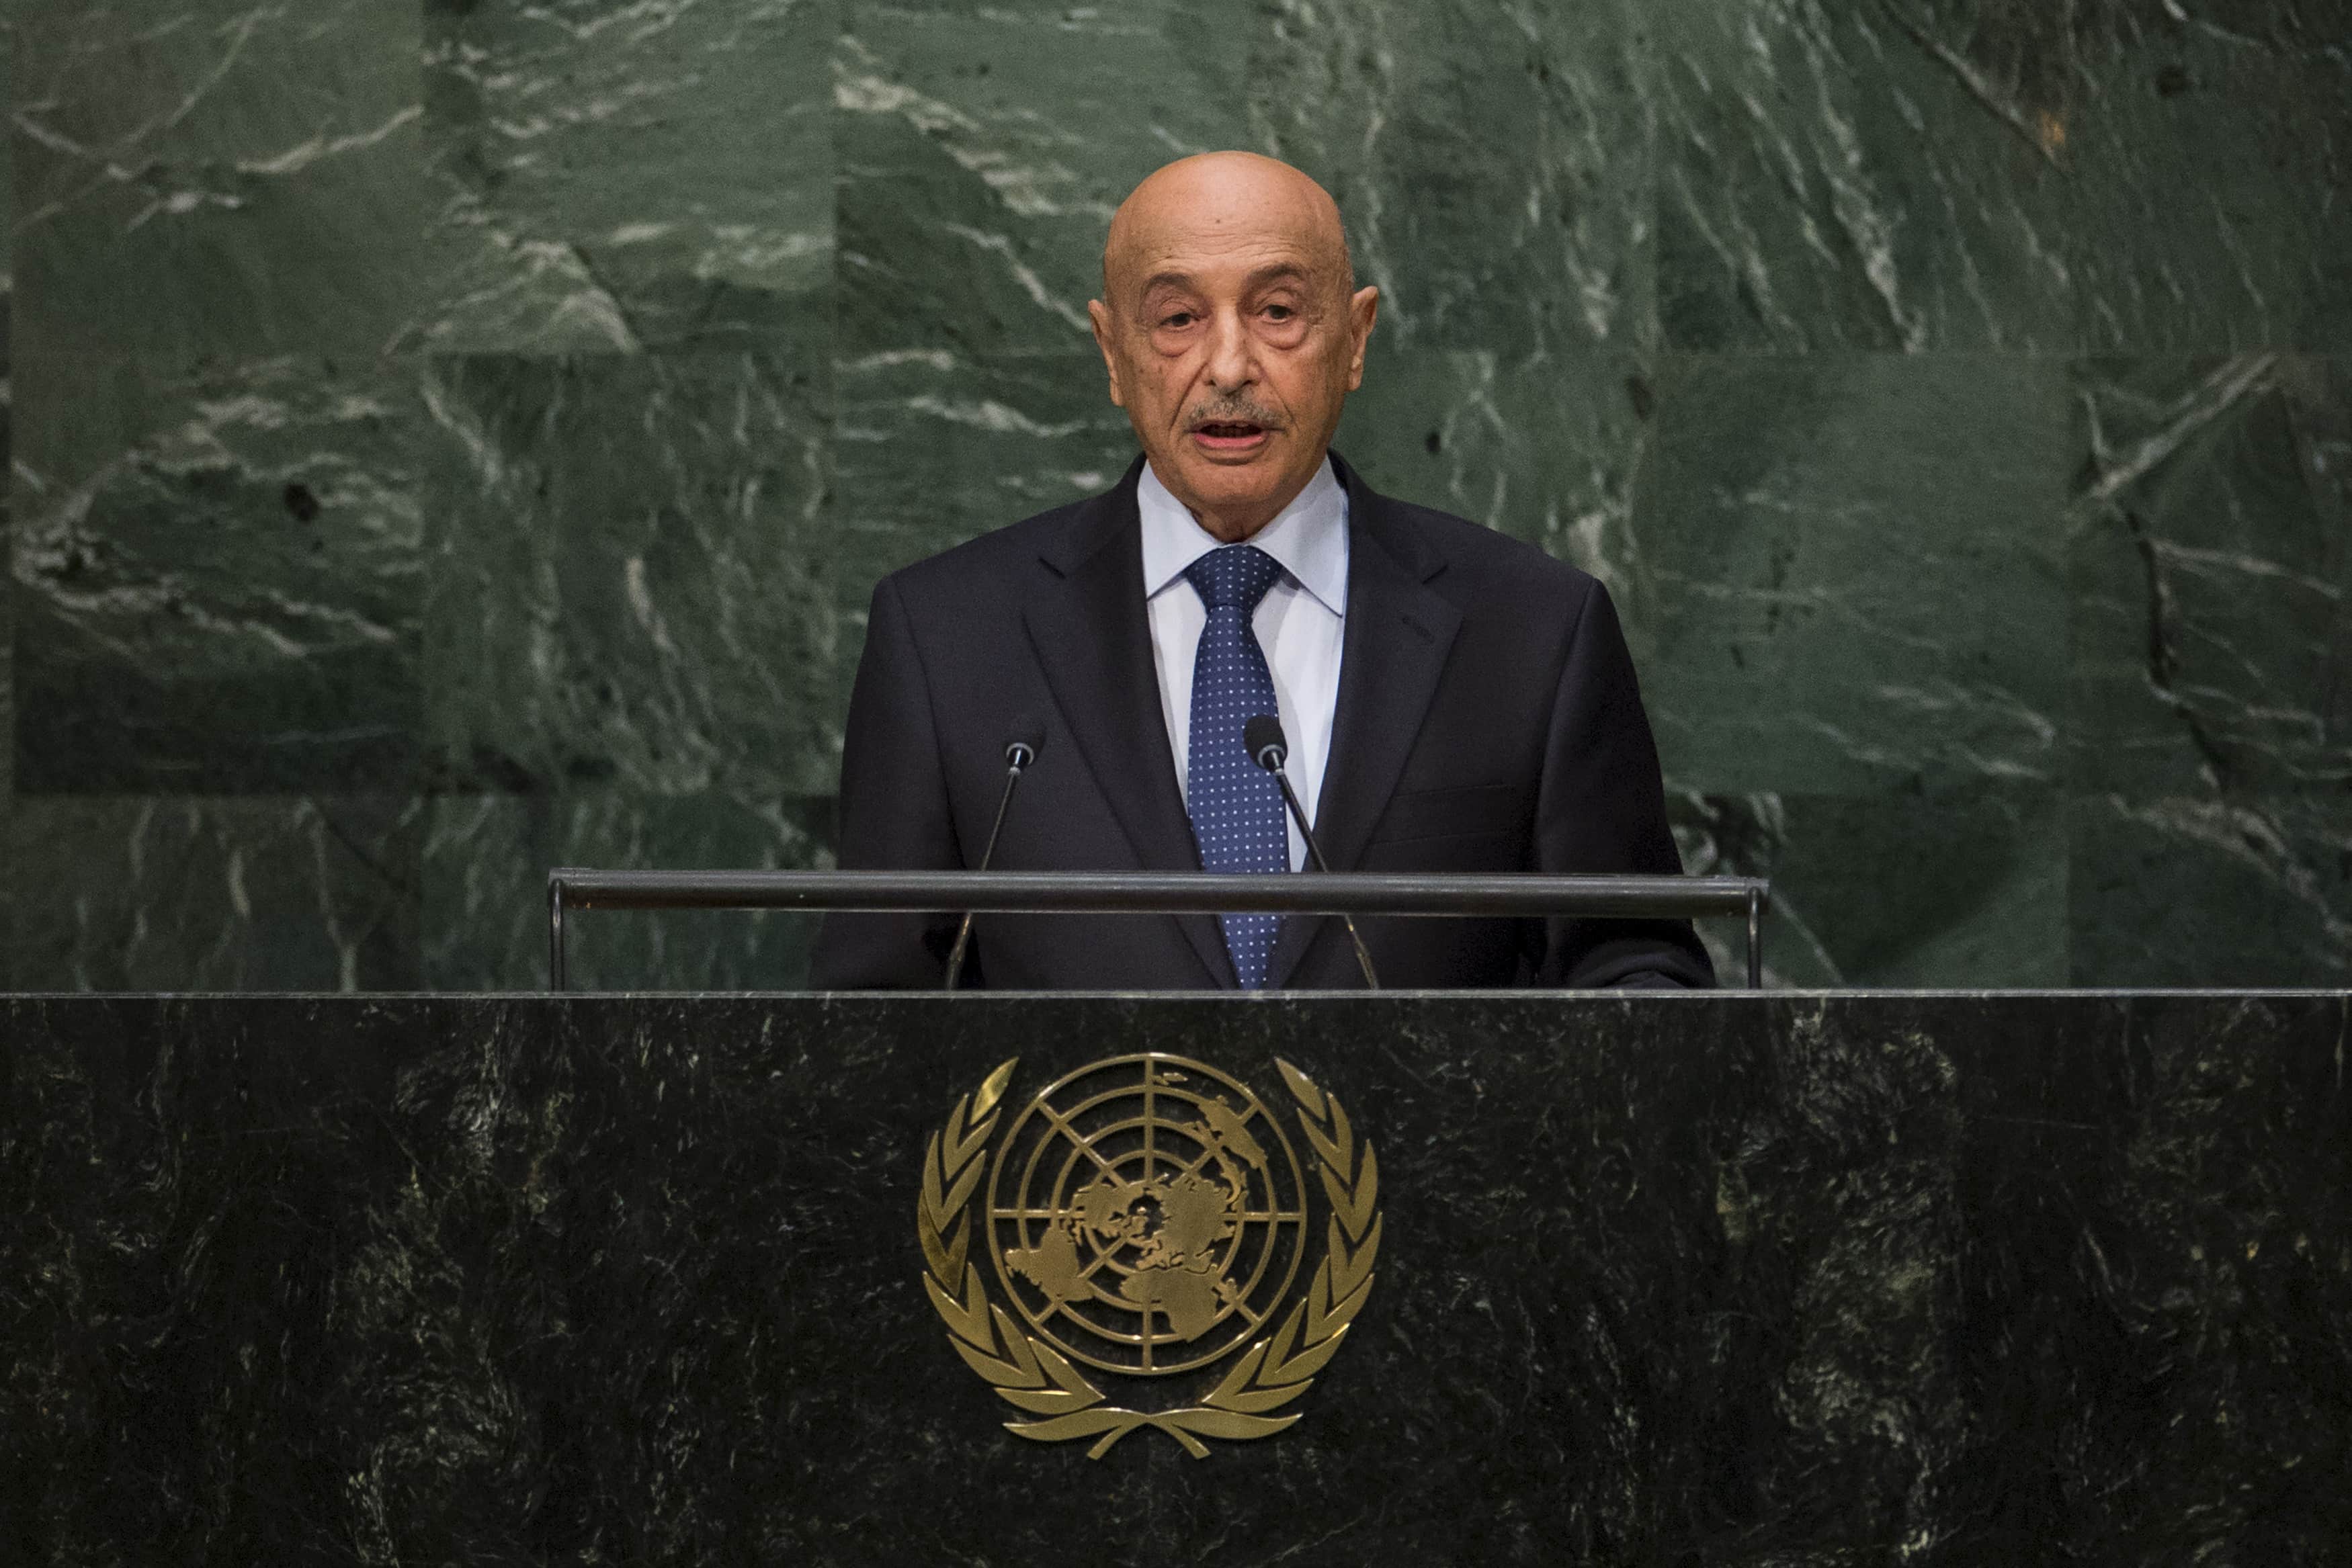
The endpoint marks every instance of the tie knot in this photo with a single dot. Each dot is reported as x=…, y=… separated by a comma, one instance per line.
x=1236, y=575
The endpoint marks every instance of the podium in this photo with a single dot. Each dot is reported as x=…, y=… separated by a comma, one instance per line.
x=1665, y=1279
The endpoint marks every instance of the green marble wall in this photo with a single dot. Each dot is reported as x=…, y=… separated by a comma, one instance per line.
x=451, y=439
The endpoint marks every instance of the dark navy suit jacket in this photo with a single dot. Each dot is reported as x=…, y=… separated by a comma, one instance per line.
x=1487, y=721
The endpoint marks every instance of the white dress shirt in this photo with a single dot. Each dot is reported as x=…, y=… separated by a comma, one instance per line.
x=1298, y=623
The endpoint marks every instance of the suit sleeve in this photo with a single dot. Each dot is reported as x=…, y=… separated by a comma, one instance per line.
x=1601, y=809
x=894, y=813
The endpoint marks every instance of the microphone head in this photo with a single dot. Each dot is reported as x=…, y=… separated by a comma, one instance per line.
x=1262, y=737
x=1024, y=737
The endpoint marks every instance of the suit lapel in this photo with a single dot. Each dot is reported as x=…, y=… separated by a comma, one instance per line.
x=1391, y=653
x=1093, y=640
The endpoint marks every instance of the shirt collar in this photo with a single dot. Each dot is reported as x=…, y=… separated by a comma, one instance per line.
x=1308, y=537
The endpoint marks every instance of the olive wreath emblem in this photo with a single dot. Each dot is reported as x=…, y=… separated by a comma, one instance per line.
x=1066, y=1403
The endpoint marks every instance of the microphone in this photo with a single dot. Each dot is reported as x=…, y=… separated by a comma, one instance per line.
x=1020, y=753
x=1262, y=737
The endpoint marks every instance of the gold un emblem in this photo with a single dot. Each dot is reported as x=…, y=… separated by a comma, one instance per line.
x=1146, y=1217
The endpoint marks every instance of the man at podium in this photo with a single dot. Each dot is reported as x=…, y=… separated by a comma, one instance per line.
x=1451, y=699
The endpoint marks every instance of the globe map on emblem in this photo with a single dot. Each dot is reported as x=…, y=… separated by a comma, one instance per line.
x=1146, y=1213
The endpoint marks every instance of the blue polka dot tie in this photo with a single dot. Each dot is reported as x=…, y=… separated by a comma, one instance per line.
x=1235, y=805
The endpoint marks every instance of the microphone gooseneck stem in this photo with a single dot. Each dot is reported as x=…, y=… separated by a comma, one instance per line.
x=963, y=932
x=1315, y=856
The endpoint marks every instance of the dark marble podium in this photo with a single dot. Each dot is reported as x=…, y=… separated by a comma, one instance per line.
x=1696, y=1279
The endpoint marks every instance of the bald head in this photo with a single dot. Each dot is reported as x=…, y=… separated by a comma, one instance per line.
x=1223, y=197
x=1232, y=330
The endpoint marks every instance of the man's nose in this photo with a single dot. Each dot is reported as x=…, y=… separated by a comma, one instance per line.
x=1230, y=365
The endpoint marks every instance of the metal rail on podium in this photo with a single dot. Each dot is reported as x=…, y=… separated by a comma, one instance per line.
x=1160, y=892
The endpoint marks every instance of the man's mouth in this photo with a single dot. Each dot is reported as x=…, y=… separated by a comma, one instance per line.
x=1229, y=435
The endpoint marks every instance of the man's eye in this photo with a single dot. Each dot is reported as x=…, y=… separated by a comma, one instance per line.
x=1181, y=318
x=1279, y=312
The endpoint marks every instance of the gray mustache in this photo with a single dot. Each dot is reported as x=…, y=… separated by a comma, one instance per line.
x=1235, y=412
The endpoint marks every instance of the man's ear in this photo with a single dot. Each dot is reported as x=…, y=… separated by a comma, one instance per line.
x=1363, y=309
x=1098, y=314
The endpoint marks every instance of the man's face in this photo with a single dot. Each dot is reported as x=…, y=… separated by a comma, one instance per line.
x=1231, y=339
